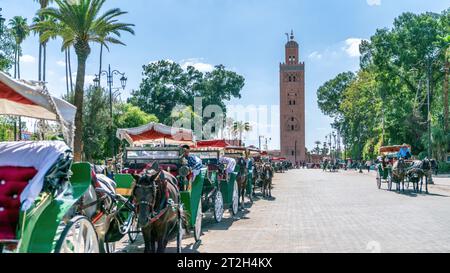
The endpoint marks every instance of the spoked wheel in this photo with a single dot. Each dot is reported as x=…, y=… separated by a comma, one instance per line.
x=198, y=223
x=218, y=206
x=79, y=236
x=134, y=230
x=379, y=181
x=235, y=200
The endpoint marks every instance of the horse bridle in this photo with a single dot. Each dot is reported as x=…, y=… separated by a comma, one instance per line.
x=154, y=186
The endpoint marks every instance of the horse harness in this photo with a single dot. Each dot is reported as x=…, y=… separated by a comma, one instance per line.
x=165, y=200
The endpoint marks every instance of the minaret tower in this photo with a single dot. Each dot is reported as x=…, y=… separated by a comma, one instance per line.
x=292, y=103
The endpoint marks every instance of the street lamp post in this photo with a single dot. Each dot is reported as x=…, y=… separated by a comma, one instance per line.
x=260, y=145
x=110, y=81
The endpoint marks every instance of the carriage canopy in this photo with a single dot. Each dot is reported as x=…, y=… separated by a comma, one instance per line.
x=32, y=100
x=154, y=133
x=212, y=144
x=392, y=149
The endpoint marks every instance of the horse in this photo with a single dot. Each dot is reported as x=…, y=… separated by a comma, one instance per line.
x=399, y=170
x=241, y=179
x=257, y=170
x=267, y=175
x=427, y=167
x=157, y=197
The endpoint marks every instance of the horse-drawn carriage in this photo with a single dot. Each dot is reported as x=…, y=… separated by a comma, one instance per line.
x=165, y=158
x=221, y=181
x=51, y=204
x=39, y=185
x=279, y=164
x=395, y=169
x=244, y=170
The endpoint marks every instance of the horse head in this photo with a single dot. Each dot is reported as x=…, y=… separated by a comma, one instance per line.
x=426, y=164
x=145, y=195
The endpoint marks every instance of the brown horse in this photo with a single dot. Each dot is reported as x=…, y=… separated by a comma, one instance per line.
x=159, y=213
x=241, y=179
x=399, y=171
x=266, y=176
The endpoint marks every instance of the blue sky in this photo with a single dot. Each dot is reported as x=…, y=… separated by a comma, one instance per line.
x=247, y=36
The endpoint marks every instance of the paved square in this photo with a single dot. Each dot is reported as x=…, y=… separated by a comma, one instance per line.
x=318, y=212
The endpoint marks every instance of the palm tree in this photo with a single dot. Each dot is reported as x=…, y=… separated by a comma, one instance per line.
x=42, y=45
x=239, y=128
x=20, y=30
x=317, y=150
x=52, y=29
x=40, y=23
x=84, y=24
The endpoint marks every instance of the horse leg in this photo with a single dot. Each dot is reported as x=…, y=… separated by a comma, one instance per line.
x=149, y=246
x=270, y=188
x=243, y=196
x=426, y=185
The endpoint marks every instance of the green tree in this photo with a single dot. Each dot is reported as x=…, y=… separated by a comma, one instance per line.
x=166, y=84
x=130, y=116
x=387, y=102
x=95, y=134
x=20, y=30
x=330, y=94
x=84, y=23
x=7, y=49
x=240, y=127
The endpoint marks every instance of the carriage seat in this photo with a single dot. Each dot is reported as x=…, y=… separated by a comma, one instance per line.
x=13, y=181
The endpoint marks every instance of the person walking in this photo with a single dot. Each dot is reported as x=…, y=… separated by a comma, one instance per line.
x=368, y=165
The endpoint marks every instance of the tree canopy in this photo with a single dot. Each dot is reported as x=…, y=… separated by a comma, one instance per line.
x=166, y=85
x=386, y=102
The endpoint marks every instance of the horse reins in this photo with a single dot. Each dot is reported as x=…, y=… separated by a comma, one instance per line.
x=153, y=216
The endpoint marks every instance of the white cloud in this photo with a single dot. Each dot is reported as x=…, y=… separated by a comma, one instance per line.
x=315, y=55
x=352, y=47
x=374, y=2
x=61, y=63
x=197, y=64
x=28, y=59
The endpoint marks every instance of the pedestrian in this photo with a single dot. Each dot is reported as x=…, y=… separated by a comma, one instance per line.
x=368, y=165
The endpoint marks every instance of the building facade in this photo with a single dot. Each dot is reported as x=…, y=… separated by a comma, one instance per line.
x=292, y=103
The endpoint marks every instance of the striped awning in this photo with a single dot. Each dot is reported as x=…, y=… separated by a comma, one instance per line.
x=155, y=133
x=32, y=100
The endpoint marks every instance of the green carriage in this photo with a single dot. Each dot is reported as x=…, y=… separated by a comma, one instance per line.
x=388, y=155
x=39, y=184
x=157, y=146
x=243, y=152
x=137, y=160
x=221, y=189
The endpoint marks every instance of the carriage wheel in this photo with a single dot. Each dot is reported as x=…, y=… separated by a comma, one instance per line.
x=180, y=233
x=218, y=206
x=379, y=181
x=390, y=183
x=235, y=200
x=79, y=236
x=198, y=223
x=134, y=230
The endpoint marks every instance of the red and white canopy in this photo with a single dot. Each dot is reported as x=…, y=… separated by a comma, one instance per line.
x=212, y=144
x=31, y=99
x=155, y=133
